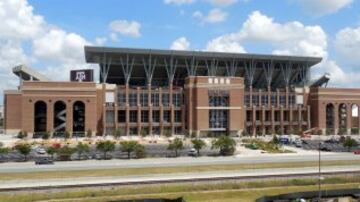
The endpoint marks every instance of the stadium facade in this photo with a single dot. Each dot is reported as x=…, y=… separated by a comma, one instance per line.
x=146, y=91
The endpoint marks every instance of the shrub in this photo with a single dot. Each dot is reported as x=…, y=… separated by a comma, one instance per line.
x=167, y=133
x=22, y=134
x=105, y=147
x=128, y=147
x=118, y=133
x=65, y=153
x=24, y=149
x=176, y=145
x=225, y=144
x=81, y=148
x=89, y=133
x=66, y=135
x=45, y=135
x=198, y=144
x=140, y=151
x=350, y=143
x=52, y=151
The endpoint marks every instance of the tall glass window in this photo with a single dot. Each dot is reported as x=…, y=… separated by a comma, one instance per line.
x=133, y=99
x=165, y=99
x=144, y=99
x=273, y=100
x=156, y=116
x=144, y=116
x=264, y=100
x=255, y=100
x=133, y=116
x=282, y=100
x=177, y=99
x=178, y=116
x=121, y=98
x=218, y=100
x=155, y=99
x=218, y=119
x=166, y=116
x=247, y=100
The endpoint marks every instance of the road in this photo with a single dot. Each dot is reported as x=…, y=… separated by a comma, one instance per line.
x=166, y=178
x=12, y=167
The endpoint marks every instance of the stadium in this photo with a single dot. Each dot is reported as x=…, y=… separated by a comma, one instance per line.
x=149, y=91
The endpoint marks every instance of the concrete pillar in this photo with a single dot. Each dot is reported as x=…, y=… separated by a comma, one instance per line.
x=348, y=118
x=336, y=118
x=69, y=117
x=50, y=117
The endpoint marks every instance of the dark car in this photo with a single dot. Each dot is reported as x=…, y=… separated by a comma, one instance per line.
x=324, y=148
x=357, y=151
x=43, y=160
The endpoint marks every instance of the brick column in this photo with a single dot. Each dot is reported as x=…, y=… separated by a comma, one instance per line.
x=291, y=118
x=263, y=119
x=336, y=118
x=348, y=119
x=69, y=117
x=138, y=111
x=171, y=108
x=50, y=117
x=127, y=111
x=273, y=120
x=254, y=120
x=282, y=119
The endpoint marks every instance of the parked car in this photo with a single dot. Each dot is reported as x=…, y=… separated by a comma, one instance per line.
x=332, y=141
x=298, y=143
x=357, y=151
x=323, y=147
x=284, y=140
x=40, y=150
x=43, y=160
x=192, y=152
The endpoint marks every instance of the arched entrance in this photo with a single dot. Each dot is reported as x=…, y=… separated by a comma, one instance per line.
x=79, y=119
x=329, y=119
x=40, y=110
x=59, y=119
x=354, y=119
x=342, y=119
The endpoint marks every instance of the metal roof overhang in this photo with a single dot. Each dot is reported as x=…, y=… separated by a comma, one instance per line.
x=100, y=55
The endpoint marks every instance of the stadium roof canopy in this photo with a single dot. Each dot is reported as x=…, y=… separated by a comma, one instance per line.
x=159, y=67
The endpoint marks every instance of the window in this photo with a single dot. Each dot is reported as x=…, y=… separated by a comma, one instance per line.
x=247, y=100
x=165, y=99
x=144, y=116
x=218, y=118
x=156, y=116
x=178, y=130
x=273, y=100
x=133, y=116
x=121, y=99
x=133, y=131
x=178, y=116
x=264, y=100
x=155, y=99
x=133, y=99
x=282, y=100
x=166, y=117
x=177, y=99
x=109, y=117
x=218, y=100
x=292, y=100
x=121, y=116
x=144, y=99
x=255, y=100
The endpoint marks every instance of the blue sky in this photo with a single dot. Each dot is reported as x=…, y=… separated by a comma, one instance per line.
x=49, y=35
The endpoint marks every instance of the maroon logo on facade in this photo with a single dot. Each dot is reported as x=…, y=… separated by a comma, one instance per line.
x=82, y=75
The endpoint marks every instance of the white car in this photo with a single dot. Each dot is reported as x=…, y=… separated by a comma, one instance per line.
x=192, y=152
x=40, y=150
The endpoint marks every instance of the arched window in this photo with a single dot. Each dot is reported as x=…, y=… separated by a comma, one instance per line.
x=40, y=110
x=78, y=118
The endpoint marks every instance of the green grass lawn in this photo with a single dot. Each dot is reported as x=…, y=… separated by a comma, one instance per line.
x=165, y=170
x=192, y=192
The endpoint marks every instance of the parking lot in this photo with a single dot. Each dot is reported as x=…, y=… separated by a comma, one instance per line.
x=331, y=146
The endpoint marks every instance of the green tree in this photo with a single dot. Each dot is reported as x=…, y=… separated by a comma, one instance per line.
x=24, y=149
x=350, y=143
x=45, y=135
x=118, y=133
x=22, y=134
x=105, y=147
x=128, y=147
x=66, y=135
x=275, y=140
x=167, y=133
x=143, y=132
x=65, y=153
x=52, y=151
x=89, y=133
x=140, y=151
x=198, y=144
x=3, y=150
x=81, y=148
x=176, y=145
x=225, y=144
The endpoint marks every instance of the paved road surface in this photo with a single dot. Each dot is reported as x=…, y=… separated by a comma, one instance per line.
x=168, y=177
x=162, y=162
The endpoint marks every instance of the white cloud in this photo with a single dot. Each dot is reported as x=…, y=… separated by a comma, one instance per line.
x=100, y=41
x=347, y=43
x=288, y=38
x=214, y=16
x=180, y=44
x=58, y=45
x=179, y=2
x=114, y=37
x=18, y=20
x=222, y=3
x=323, y=7
x=126, y=28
